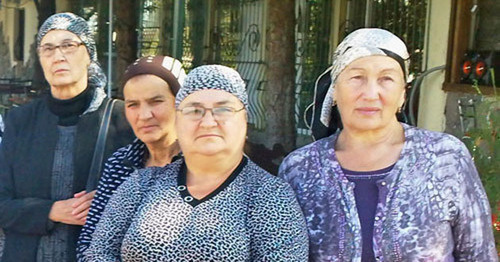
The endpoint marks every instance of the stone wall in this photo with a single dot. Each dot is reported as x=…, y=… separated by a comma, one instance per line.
x=5, y=69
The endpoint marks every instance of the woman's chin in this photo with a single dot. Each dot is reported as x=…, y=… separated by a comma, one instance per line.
x=210, y=150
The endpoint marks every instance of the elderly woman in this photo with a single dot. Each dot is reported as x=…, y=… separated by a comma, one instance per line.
x=380, y=190
x=212, y=205
x=48, y=147
x=151, y=84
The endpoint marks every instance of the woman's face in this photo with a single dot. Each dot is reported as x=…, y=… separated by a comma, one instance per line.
x=369, y=92
x=64, y=70
x=150, y=108
x=208, y=135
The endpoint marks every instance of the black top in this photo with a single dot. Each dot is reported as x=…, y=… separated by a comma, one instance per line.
x=26, y=167
x=70, y=110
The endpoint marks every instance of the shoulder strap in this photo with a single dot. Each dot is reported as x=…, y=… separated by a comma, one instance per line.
x=95, y=167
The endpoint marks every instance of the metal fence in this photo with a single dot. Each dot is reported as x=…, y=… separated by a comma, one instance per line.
x=312, y=37
x=149, y=31
x=232, y=33
x=405, y=18
x=229, y=33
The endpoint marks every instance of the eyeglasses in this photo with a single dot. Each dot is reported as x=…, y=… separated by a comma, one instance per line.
x=196, y=113
x=67, y=47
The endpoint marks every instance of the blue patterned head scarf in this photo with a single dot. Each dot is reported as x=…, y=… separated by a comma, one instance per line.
x=78, y=26
x=362, y=43
x=215, y=77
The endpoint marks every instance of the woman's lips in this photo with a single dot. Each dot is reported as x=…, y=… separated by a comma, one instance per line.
x=147, y=128
x=60, y=71
x=208, y=135
x=368, y=110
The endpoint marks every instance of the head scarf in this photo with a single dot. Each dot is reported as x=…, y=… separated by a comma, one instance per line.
x=362, y=43
x=78, y=26
x=167, y=68
x=216, y=77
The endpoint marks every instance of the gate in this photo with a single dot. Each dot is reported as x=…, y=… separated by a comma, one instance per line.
x=230, y=33
x=312, y=36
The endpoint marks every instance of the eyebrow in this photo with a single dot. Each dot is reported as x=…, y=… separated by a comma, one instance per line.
x=155, y=97
x=391, y=70
x=224, y=102
x=64, y=40
x=150, y=98
x=362, y=69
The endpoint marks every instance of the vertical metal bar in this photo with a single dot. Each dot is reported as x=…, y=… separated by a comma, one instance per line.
x=179, y=9
x=473, y=24
x=110, y=47
x=175, y=33
x=368, y=13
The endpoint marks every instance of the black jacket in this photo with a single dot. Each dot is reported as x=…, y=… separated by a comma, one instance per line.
x=26, y=160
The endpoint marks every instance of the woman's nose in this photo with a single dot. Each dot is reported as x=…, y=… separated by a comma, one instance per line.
x=371, y=89
x=145, y=112
x=208, y=119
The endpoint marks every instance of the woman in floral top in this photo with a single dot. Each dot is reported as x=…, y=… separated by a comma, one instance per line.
x=380, y=190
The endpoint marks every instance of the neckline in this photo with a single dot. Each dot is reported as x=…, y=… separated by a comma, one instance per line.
x=188, y=198
x=398, y=165
x=370, y=173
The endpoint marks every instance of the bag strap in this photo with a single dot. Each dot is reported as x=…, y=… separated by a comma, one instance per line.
x=95, y=167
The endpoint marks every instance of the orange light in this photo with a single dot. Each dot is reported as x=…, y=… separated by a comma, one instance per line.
x=480, y=69
x=467, y=67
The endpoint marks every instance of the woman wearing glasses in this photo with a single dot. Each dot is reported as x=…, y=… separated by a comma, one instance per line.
x=212, y=205
x=48, y=147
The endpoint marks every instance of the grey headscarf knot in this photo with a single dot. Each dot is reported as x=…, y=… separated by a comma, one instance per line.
x=78, y=26
x=215, y=77
x=362, y=43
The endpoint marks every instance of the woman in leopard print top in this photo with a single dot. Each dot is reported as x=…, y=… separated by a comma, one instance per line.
x=212, y=205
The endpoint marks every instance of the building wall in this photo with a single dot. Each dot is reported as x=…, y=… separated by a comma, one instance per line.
x=487, y=38
x=432, y=102
x=9, y=18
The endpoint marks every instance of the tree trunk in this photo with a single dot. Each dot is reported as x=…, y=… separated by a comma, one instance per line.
x=126, y=37
x=279, y=99
x=198, y=19
x=45, y=8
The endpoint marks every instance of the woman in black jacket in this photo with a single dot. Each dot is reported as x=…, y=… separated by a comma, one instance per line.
x=48, y=147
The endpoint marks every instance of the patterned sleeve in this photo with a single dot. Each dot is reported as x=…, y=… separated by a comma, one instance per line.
x=473, y=231
x=112, y=177
x=115, y=220
x=277, y=224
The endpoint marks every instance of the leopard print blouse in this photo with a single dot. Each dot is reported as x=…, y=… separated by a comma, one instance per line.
x=253, y=216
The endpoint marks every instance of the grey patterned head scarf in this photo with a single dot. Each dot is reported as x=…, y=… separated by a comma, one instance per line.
x=216, y=77
x=78, y=26
x=361, y=43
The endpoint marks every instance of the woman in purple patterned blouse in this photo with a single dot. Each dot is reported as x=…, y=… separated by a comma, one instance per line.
x=380, y=190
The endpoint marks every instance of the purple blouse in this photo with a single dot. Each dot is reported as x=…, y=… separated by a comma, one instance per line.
x=435, y=207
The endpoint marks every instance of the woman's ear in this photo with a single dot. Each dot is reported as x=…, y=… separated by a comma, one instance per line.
x=402, y=99
x=334, y=95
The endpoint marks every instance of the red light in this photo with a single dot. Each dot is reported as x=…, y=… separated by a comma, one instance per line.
x=467, y=67
x=480, y=69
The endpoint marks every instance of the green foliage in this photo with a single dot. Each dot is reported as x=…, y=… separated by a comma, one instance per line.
x=484, y=145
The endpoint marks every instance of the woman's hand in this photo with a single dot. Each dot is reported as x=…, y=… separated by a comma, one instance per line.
x=72, y=211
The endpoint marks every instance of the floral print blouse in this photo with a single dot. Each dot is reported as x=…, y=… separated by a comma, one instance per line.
x=432, y=205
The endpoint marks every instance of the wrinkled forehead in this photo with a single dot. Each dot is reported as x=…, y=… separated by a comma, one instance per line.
x=58, y=36
x=373, y=40
x=211, y=97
